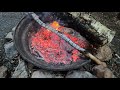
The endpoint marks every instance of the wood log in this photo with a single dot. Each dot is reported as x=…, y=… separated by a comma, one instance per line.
x=101, y=34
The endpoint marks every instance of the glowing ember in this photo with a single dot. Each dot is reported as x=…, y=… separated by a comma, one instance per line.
x=52, y=48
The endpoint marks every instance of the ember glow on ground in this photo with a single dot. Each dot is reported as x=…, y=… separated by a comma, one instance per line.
x=52, y=48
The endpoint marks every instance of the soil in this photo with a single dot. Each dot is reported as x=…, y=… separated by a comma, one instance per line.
x=110, y=19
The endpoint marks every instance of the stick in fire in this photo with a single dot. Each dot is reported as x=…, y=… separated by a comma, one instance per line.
x=82, y=50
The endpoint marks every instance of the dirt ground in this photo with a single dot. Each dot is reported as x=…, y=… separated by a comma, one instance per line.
x=110, y=19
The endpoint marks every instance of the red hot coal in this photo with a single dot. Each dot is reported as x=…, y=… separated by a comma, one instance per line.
x=54, y=49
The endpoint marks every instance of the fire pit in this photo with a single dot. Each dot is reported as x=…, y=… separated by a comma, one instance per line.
x=47, y=50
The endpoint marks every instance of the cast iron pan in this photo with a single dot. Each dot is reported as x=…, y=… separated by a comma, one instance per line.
x=21, y=36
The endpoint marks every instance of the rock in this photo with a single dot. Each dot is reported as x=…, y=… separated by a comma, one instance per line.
x=10, y=50
x=20, y=71
x=13, y=29
x=99, y=71
x=58, y=76
x=104, y=53
x=3, y=71
x=45, y=74
x=79, y=74
x=41, y=74
x=102, y=72
x=108, y=73
x=9, y=36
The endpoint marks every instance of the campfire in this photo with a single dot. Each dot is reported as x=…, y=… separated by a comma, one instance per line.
x=44, y=48
x=52, y=48
x=58, y=45
x=48, y=49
